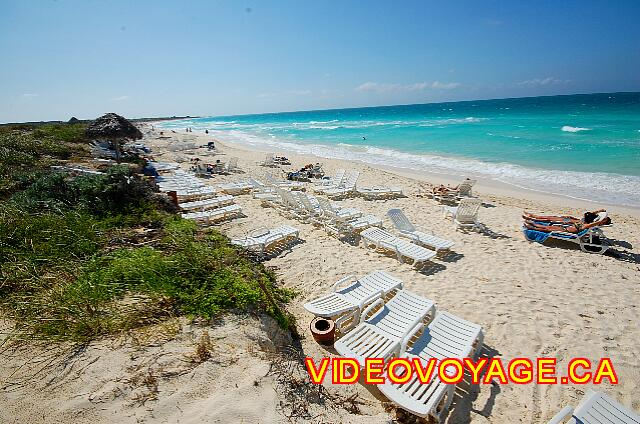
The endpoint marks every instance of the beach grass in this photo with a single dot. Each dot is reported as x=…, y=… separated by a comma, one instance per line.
x=88, y=256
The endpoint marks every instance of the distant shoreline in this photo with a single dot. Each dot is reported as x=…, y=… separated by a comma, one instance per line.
x=84, y=121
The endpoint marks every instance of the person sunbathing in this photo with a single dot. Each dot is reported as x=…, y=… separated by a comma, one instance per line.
x=575, y=227
x=587, y=218
x=444, y=190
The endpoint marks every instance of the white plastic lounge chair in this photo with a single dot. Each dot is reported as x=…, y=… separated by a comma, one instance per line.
x=178, y=186
x=268, y=195
x=451, y=195
x=185, y=195
x=240, y=187
x=371, y=193
x=232, y=165
x=596, y=408
x=381, y=335
x=362, y=223
x=464, y=189
x=292, y=206
x=258, y=186
x=346, y=189
x=210, y=203
x=213, y=215
x=259, y=240
x=268, y=161
x=344, y=304
x=408, y=230
x=447, y=336
x=165, y=166
x=291, y=185
x=351, y=226
x=335, y=181
x=403, y=249
x=332, y=213
x=179, y=180
x=464, y=215
x=590, y=240
x=311, y=206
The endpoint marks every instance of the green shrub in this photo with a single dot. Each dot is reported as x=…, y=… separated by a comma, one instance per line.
x=25, y=151
x=187, y=276
x=71, y=267
x=118, y=196
x=70, y=133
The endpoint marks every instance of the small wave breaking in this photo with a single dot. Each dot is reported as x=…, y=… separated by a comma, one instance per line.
x=571, y=129
x=598, y=187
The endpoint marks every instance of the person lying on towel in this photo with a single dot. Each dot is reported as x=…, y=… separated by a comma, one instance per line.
x=587, y=218
x=575, y=227
x=444, y=190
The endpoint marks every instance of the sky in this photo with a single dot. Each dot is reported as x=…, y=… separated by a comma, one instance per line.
x=139, y=58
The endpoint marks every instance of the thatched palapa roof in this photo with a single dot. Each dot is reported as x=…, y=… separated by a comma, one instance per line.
x=112, y=126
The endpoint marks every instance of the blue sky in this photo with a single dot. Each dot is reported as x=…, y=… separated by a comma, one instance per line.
x=157, y=58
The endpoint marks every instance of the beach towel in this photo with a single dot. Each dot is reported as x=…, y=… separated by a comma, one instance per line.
x=534, y=235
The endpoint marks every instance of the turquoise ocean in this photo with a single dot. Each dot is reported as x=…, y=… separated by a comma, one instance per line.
x=583, y=146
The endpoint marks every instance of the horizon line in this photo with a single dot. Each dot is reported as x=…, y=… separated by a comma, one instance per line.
x=413, y=104
x=178, y=116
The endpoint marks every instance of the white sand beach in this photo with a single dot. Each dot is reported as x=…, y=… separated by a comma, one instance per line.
x=531, y=300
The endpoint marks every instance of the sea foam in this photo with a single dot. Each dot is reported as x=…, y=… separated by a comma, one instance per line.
x=598, y=187
x=568, y=128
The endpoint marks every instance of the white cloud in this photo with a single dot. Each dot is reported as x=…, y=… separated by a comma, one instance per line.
x=417, y=86
x=119, y=99
x=384, y=87
x=536, y=82
x=29, y=95
x=445, y=85
x=377, y=87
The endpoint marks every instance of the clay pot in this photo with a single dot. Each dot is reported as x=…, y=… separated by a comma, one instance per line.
x=323, y=330
x=173, y=195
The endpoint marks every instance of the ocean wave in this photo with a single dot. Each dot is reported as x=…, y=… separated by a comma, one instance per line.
x=598, y=187
x=335, y=124
x=568, y=128
x=324, y=122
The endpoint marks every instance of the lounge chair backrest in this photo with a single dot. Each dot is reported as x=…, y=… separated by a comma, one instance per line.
x=337, y=179
x=233, y=163
x=468, y=209
x=601, y=216
x=290, y=199
x=326, y=205
x=302, y=197
x=596, y=407
x=255, y=183
x=458, y=333
x=400, y=221
x=464, y=189
x=352, y=179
